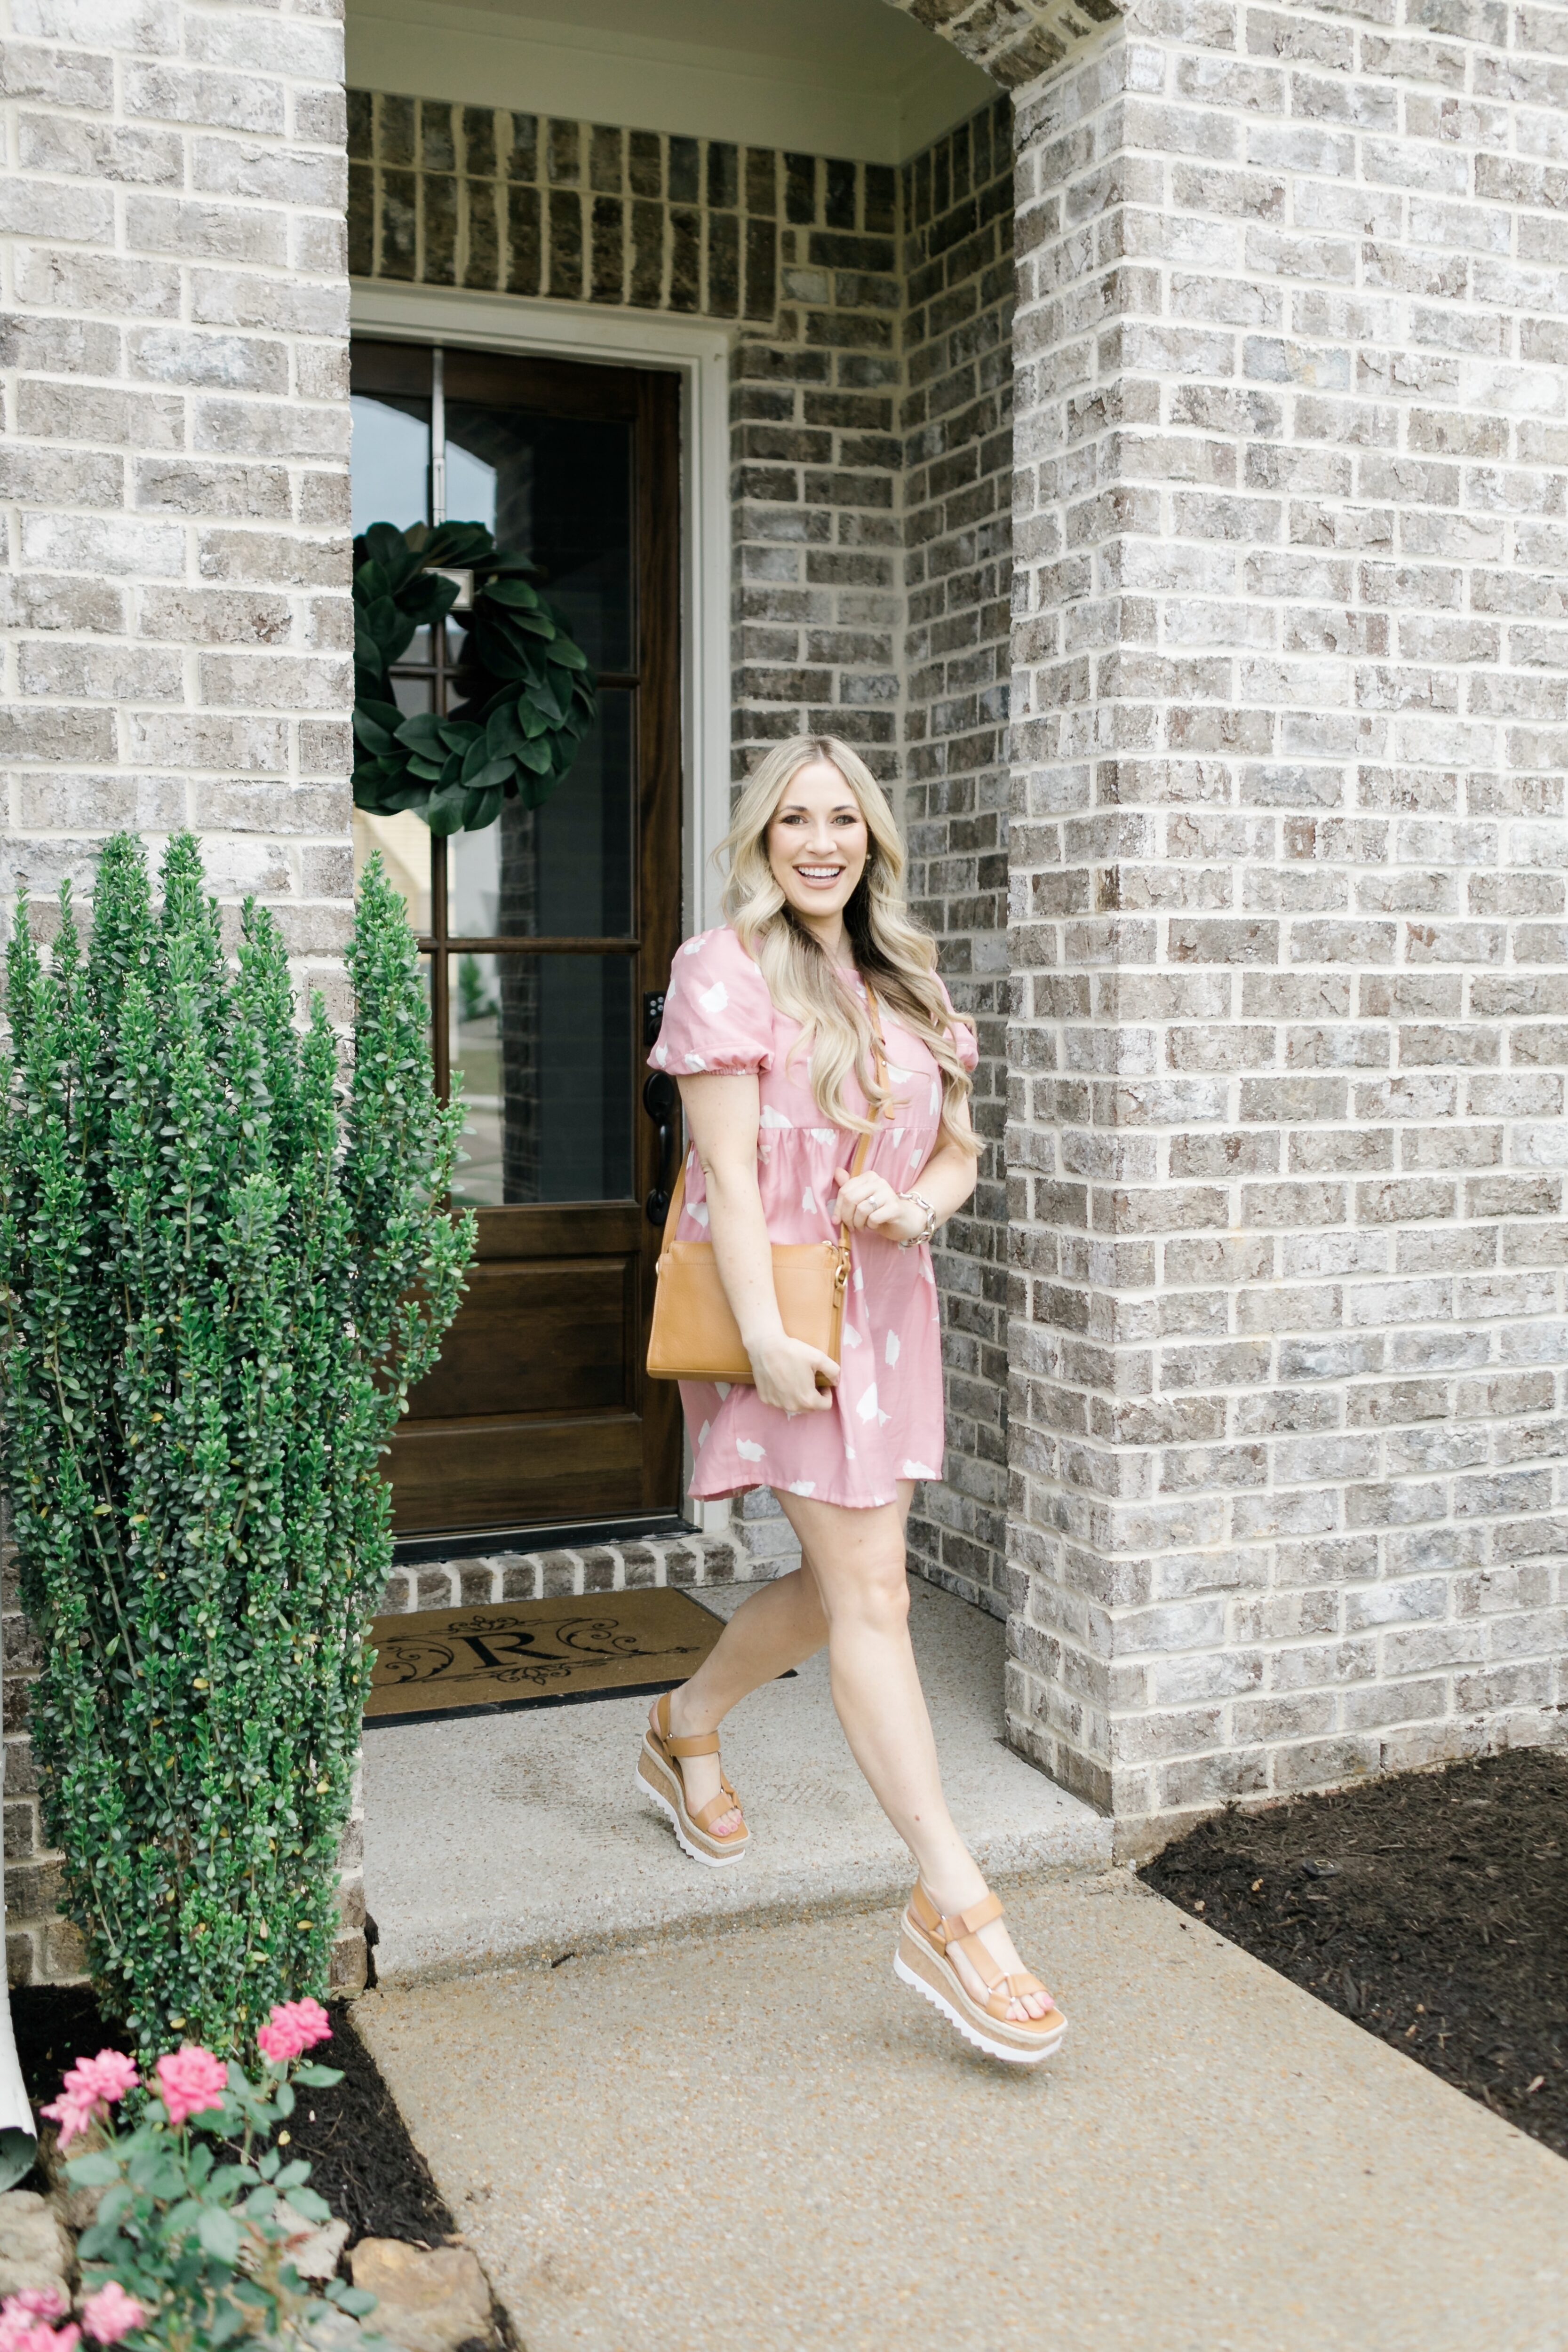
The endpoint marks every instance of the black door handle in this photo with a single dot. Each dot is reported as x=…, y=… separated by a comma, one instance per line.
x=661, y=1100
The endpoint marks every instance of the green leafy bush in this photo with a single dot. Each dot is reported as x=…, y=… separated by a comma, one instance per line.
x=529, y=692
x=219, y=1276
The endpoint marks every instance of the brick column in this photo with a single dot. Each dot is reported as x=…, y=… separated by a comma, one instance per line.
x=174, y=506
x=1290, y=718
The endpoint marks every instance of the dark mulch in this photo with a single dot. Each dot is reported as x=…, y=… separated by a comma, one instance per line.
x=365, y=2165
x=1431, y=1908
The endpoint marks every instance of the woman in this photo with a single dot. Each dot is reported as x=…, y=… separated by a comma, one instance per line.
x=816, y=1015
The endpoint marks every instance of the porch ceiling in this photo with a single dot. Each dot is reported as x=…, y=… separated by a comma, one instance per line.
x=856, y=78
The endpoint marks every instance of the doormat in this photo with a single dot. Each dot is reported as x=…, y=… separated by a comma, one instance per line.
x=456, y=1661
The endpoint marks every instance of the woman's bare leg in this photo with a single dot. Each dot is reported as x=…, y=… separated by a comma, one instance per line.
x=780, y=1626
x=856, y=1560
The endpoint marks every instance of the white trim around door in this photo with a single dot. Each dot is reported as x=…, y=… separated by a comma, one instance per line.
x=699, y=354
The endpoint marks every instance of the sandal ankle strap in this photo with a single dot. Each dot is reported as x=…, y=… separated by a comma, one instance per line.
x=705, y=1744
x=954, y=1928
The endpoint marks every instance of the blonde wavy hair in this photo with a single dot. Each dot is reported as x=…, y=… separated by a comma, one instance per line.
x=891, y=950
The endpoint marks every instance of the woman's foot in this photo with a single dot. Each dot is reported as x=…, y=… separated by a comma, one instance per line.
x=964, y=1962
x=703, y=1775
x=1005, y=1952
x=667, y=1769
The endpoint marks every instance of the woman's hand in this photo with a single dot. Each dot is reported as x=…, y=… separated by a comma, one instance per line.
x=786, y=1372
x=870, y=1203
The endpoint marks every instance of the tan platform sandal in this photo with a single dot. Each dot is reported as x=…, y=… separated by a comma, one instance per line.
x=924, y=1938
x=660, y=1777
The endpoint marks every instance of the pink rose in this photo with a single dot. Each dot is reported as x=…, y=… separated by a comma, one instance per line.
x=108, y=2077
x=73, y=2116
x=37, y=2335
x=111, y=2314
x=294, y=2027
x=88, y=2089
x=25, y=2322
x=190, y=2081
x=36, y=2303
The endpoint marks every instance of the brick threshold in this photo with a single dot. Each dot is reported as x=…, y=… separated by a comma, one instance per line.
x=692, y=1558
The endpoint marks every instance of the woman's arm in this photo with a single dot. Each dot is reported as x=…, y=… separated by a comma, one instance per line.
x=947, y=1179
x=723, y=1114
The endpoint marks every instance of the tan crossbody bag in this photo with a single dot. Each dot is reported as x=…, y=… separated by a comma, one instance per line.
x=695, y=1336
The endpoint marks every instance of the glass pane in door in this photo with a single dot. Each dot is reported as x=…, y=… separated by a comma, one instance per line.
x=563, y=871
x=403, y=842
x=558, y=489
x=544, y=1046
x=390, y=467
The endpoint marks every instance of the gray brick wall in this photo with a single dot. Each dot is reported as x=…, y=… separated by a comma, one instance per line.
x=956, y=415
x=1016, y=41
x=173, y=505
x=1288, y=907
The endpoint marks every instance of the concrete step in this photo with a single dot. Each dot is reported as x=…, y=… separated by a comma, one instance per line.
x=517, y=1838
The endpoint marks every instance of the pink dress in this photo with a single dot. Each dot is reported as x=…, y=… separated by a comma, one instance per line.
x=886, y=1421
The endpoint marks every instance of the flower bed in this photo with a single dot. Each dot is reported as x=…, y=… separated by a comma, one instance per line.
x=200, y=2205
x=1432, y=1908
x=364, y=2162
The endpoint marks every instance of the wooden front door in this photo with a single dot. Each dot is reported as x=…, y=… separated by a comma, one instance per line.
x=546, y=937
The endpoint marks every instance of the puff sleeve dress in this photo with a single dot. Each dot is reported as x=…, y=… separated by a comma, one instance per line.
x=885, y=1420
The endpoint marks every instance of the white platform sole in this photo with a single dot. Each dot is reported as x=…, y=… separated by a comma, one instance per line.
x=1003, y=2049
x=656, y=1796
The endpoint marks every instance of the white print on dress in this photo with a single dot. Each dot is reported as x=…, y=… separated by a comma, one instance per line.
x=714, y=999
x=915, y=1470
x=771, y=1117
x=702, y=1432
x=851, y=1336
x=866, y=1408
x=747, y=1451
x=697, y=1211
x=892, y=1348
x=807, y=1199
x=803, y=1485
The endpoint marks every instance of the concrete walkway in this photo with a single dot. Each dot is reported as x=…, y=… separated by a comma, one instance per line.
x=758, y=2142
x=512, y=1837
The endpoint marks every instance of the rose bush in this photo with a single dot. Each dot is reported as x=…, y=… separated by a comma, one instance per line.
x=199, y=2215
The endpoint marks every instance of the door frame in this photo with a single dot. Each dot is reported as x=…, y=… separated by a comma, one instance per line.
x=699, y=354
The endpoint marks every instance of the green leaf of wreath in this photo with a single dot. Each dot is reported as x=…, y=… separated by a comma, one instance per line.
x=512, y=591
x=376, y=725
x=530, y=694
